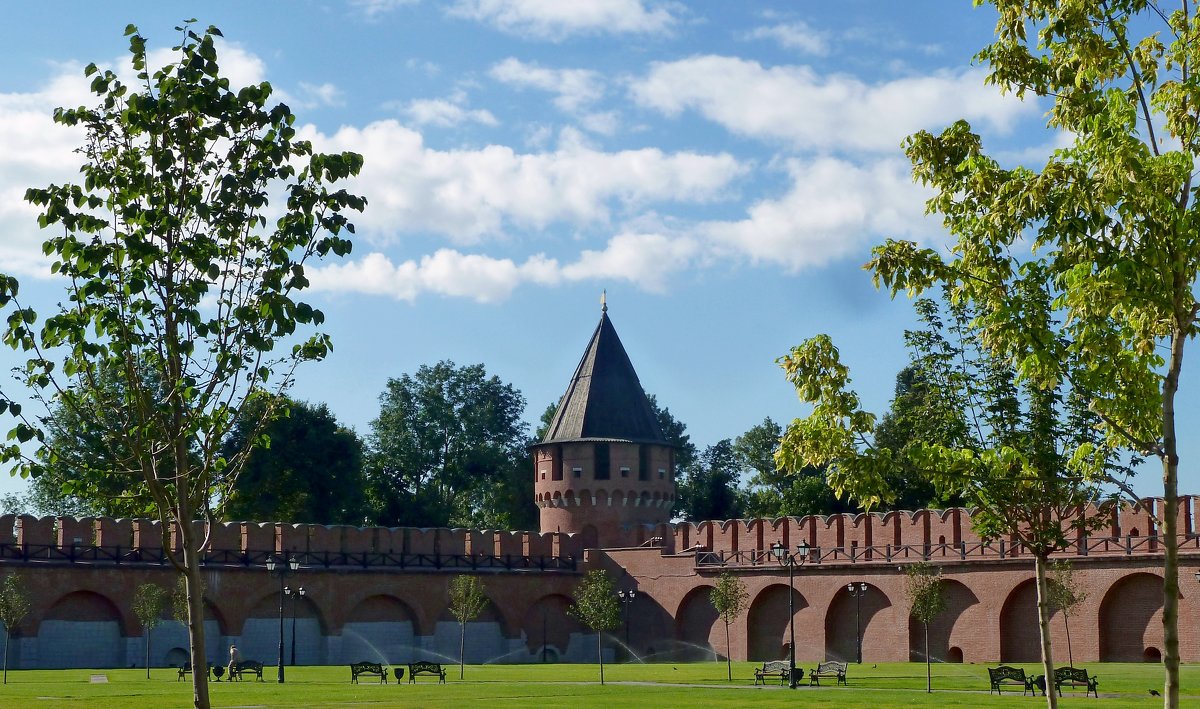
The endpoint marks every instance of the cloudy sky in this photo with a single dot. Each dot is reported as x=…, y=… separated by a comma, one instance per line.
x=721, y=168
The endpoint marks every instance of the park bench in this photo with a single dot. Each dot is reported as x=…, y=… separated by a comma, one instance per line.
x=1006, y=674
x=828, y=669
x=186, y=669
x=253, y=666
x=774, y=668
x=368, y=668
x=1075, y=677
x=425, y=668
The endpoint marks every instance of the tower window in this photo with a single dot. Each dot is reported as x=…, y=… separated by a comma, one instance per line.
x=602, y=461
x=643, y=463
x=662, y=473
x=577, y=472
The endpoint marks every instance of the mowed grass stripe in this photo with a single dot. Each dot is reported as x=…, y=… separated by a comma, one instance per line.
x=636, y=686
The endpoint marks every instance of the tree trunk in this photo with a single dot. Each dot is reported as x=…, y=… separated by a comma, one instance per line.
x=6, y=634
x=195, y=601
x=928, y=667
x=1170, y=525
x=600, y=652
x=1067, y=625
x=1043, y=607
x=146, y=632
x=462, y=648
x=728, y=659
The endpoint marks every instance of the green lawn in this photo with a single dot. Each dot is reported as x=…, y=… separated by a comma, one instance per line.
x=687, y=686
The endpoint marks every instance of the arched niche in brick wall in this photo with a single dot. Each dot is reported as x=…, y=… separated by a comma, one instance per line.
x=490, y=614
x=944, y=628
x=846, y=618
x=81, y=629
x=767, y=624
x=548, y=625
x=1131, y=619
x=1020, y=639
x=696, y=621
x=380, y=628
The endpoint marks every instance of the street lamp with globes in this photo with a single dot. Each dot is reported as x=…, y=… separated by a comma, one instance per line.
x=791, y=561
x=857, y=591
x=283, y=569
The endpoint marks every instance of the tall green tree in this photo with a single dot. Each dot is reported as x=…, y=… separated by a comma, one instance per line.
x=82, y=466
x=773, y=491
x=1018, y=463
x=597, y=607
x=14, y=606
x=310, y=468
x=467, y=600
x=1112, y=215
x=730, y=599
x=920, y=412
x=710, y=489
x=445, y=438
x=923, y=586
x=675, y=432
x=149, y=601
x=179, y=272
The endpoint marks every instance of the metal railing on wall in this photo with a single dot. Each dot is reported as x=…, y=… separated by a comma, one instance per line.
x=1128, y=545
x=117, y=555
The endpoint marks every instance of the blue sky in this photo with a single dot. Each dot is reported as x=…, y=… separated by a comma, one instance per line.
x=721, y=168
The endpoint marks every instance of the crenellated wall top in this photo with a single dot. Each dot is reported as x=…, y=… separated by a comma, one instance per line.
x=847, y=531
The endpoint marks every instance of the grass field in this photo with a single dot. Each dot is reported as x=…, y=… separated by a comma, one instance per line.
x=635, y=686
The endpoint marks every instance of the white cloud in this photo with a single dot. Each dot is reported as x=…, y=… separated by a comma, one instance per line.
x=833, y=209
x=647, y=260
x=445, y=113
x=469, y=194
x=604, y=123
x=374, y=8
x=323, y=94
x=794, y=35
x=446, y=272
x=35, y=152
x=798, y=106
x=558, y=19
x=574, y=88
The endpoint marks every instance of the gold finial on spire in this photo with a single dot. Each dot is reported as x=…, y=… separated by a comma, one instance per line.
x=604, y=301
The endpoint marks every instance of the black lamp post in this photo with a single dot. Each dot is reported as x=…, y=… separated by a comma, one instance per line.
x=626, y=599
x=283, y=569
x=791, y=561
x=293, y=593
x=857, y=591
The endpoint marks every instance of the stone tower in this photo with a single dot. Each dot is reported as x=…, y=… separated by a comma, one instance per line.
x=604, y=466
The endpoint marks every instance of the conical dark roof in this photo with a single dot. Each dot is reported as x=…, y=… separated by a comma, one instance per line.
x=605, y=400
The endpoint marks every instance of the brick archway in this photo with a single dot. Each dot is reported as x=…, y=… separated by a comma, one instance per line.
x=767, y=623
x=842, y=623
x=81, y=629
x=695, y=625
x=380, y=628
x=941, y=631
x=1020, y=639
x=1131, y=619
x=548, y=628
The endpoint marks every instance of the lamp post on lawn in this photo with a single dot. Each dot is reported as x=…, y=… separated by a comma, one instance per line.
x=283, y=569
x=791, y=561
x=626, y=599
x=293, y=593
x=857, y=591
